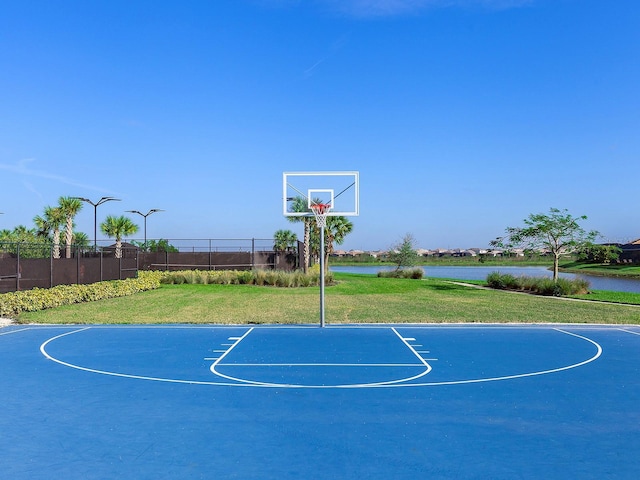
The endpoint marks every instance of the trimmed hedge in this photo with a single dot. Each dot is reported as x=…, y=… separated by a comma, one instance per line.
x=13, y=303
x=538, y=285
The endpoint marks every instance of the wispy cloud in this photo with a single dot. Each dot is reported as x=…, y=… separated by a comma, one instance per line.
x=381, y=8
x=334, y=48
x=22, y=168
x=309, y=71
x=30, y=188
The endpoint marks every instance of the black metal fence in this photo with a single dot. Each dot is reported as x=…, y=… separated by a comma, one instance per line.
x=26, y=266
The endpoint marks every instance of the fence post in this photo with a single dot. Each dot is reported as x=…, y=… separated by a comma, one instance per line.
x=101, y=275
x=17, y=266
x=51, y=266
x=77, y=266
x=253, y=254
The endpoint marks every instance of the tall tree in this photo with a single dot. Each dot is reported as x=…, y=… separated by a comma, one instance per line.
x=118, y=227
x=50, y=223
x=558, y=232
x=299, y=205
x=336, y=230
x=70, y=207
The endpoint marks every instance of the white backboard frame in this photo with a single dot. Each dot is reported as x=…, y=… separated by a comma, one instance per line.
x=339, y=189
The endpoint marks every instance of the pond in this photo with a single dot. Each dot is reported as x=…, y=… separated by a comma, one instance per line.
x=480, y=273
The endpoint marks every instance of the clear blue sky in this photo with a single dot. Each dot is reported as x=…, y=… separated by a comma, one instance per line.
x=462, y=116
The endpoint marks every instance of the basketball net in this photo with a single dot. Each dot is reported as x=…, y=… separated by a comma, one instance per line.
x=320, y=212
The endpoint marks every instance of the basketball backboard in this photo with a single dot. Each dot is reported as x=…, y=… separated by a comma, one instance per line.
x=339, y=190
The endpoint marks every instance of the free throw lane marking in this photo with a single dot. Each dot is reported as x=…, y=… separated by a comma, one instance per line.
x=422, y=362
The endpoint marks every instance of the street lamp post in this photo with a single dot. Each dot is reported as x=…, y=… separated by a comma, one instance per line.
x=145, y=215
x=95, y=215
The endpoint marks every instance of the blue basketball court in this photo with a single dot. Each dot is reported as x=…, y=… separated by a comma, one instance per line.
x=366, y=402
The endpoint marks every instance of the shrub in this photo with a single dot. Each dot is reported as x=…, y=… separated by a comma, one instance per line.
x=538, y=285
x=245, y=277
x=546, y=286
x=415, y=273
x=273, y=278
x=14, y=303
x=494, y=280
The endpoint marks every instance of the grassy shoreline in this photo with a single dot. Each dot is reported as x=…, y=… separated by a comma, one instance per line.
x=615, y=271
x=354, y=299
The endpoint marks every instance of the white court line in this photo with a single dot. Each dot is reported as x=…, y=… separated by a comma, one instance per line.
x=521, y=375
x=422, y=364
x=629, y=331
x=372, y=385
x=16, y=331
x=323, y=365
x=123, y=375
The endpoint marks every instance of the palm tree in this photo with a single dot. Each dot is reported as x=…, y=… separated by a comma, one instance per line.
x=51, y=220
x=299, y=205
x=336, y=230
x=284, y=240
x=42, y=225
x=70, y=207
x=118, y=227
x=81, y=239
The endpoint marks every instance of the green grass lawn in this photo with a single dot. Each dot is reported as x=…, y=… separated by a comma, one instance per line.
x=615, y=270
x=354, y=299
x=614, y=297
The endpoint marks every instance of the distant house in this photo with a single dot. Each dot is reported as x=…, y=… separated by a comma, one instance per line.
x=459, y=252
x=630, y=252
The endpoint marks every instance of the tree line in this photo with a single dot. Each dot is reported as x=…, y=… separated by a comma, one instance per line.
x=57, y=222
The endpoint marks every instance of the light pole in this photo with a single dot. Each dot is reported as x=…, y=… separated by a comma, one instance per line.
x=95, y=215
x=153, y=210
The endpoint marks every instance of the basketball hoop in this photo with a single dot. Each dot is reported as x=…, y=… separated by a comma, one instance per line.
x=321, y=194
x=320, y=212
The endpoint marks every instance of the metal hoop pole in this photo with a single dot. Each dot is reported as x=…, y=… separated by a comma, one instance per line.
x=322, y=323
x=320, y=212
